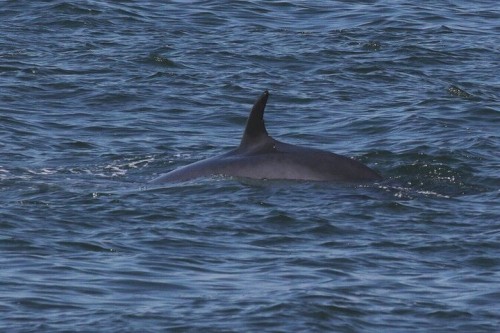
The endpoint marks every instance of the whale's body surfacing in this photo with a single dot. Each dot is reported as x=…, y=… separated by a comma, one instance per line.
x=259, y=156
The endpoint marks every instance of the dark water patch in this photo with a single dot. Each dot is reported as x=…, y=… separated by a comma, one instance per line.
x=483, y=299
x=161, y=60
x=207, y=18
x=437, y=178
x=447, y=174
x=322, y=229
x=482, y=262
x=84, y=246
x=79, y=145
x=16, y=244
x=45, y=304
x=456, y=91
x=451, y=315
x=372, y=46
x=71, y=8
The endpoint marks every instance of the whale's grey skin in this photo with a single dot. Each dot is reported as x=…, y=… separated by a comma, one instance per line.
x=259, y=156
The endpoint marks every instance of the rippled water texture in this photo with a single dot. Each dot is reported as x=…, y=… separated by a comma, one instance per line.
x=99, y=97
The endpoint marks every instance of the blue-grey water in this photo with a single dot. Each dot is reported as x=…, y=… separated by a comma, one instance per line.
x=99, y=97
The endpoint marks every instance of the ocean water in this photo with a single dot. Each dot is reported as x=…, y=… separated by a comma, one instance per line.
x=99, y=97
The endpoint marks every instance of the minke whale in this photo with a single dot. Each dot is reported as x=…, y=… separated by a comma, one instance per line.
x=259, y=156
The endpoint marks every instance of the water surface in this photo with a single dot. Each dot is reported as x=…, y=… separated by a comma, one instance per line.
x=98, y=98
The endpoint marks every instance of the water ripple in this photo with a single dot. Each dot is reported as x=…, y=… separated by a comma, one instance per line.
x=99, y=98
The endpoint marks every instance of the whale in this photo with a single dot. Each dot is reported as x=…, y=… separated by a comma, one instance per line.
x=261, y=157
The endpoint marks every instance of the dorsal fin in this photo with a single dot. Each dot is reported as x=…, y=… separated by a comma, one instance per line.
x=255, y=127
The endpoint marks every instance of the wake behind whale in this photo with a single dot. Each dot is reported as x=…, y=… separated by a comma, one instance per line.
x=259, y=156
